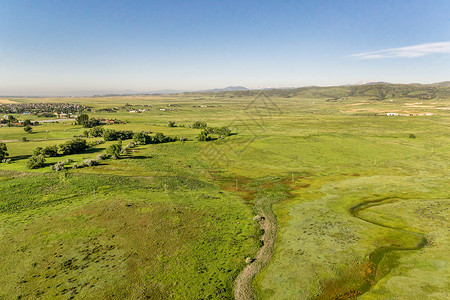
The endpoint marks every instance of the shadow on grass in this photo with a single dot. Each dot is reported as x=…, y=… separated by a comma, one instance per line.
x=93, y=150
x=19, y=157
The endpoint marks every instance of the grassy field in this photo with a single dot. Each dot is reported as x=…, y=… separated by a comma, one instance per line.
x=361, y=208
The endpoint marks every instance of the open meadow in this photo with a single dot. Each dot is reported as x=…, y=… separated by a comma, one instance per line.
x=316, y=194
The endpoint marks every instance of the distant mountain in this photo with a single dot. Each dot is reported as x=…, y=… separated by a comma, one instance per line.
x=228, y=89
x=368, y=83
x=443, y=83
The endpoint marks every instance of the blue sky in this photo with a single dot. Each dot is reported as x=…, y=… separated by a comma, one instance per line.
x=59, y=47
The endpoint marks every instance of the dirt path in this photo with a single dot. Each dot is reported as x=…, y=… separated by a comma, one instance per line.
x=243, y=288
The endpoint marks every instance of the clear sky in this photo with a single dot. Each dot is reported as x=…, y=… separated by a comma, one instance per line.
x=60, y=47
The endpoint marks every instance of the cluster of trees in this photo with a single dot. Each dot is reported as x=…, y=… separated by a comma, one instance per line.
x=205, y=133
x=87, y=122
x=142, y=138
x=37, y=160
x=108, y=134
x=114, y=135
x=199, y=125
x=96, y=131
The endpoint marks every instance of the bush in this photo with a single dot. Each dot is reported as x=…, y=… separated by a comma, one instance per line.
x=36, y=162
x=100, y=157
x=24, y=139
x=171, y=124
x=89, y=162
x=412, y=136
x=59, y=166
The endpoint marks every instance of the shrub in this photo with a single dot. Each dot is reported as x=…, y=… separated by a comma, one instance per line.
x=171, y=124
x=24, y=139
x=36, y=162
x=89, y=162
x=124, y=151
x=100, y=157
x=59, y=166
x=412, y=136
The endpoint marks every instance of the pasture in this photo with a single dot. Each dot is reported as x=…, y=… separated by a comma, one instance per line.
x=360, y=208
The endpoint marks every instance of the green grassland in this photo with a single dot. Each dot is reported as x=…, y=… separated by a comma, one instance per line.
x=361, y=208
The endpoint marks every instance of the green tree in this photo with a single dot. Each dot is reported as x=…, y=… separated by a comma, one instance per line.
x=3, y=151
x=199, y=125
x=203, y=136
x=82, y=119
x=72, y=147
x=141, y=138
x=37, y=151
x=114, y=150
x=26, y=122
x=50, y=151
x=28, y=129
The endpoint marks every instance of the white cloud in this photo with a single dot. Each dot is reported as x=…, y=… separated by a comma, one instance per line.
x=407, y=52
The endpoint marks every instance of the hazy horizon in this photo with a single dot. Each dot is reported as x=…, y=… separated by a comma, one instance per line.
x=83, y=48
